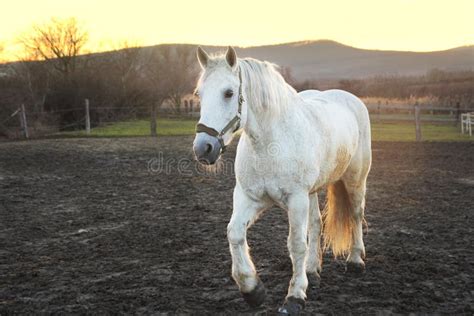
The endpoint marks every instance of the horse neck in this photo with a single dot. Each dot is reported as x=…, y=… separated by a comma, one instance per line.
x=262, y=123
x=263, y=129
x=253, y=127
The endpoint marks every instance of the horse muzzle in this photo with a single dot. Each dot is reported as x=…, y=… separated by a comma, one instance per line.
x=207, y=148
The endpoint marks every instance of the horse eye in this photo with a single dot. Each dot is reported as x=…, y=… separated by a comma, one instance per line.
x=228, y=94
x=196, y=93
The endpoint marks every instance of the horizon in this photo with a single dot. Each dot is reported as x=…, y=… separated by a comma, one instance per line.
x=306, y=41
x=414, y=26
x=6, y=61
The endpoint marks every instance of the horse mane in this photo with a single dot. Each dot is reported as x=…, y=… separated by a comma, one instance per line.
x=266, y=89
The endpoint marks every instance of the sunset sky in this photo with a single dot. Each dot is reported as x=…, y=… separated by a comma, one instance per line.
x=416, y=25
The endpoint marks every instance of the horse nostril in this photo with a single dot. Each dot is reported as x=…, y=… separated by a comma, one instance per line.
x=208, y=148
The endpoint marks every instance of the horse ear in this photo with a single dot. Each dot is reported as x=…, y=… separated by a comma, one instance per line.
x=231, y=57
x=203, y=57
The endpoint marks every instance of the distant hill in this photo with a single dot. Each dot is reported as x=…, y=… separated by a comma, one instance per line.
x=325, y=59
x=331, y=60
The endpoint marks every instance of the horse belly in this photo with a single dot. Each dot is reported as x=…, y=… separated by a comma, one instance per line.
x=274, y=179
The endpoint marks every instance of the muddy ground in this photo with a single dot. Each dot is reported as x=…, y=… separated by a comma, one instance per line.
x=94, y=226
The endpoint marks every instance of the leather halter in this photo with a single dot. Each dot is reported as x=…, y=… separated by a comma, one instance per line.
x=235, y=121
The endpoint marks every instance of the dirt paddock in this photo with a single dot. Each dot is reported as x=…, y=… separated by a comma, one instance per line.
x=108, y=226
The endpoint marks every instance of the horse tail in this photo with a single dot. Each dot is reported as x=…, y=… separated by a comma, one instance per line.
x=338, y=219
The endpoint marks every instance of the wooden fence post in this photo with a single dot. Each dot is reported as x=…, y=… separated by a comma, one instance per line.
x=153, y=132
x=88, y=117
x=458, y=113
x=378, y=110
x=23, y=122
x=186, y=109
x=417, y=122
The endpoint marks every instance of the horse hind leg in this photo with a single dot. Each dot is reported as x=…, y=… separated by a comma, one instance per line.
x=355, y=179
x=314, y=260
x=355, y=262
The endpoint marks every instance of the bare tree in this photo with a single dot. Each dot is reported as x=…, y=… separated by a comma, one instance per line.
x=183, y=63
x=128, y=68
x=35, y=82
x=159, y=85
x=2, y=48
x=59, y=42
x=170, y=73
x=126, y=58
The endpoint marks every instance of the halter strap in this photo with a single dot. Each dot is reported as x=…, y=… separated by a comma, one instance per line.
x=235, y=121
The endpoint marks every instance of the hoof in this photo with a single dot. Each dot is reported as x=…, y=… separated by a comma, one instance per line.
x=355, y=267
x=293, y=306
x=256, y=297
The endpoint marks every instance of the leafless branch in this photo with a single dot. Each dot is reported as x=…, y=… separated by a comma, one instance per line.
x=59, y=42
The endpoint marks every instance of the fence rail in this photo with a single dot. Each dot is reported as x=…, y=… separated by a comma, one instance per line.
x=90, y=116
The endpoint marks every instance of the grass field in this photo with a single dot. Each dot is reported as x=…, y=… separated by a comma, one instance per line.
x=165, y=127
x=406, y=132
x=394, y=131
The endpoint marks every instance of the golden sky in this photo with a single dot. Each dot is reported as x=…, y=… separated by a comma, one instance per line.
x=416, y=25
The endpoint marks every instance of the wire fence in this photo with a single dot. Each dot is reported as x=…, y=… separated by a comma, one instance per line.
x=23, y=124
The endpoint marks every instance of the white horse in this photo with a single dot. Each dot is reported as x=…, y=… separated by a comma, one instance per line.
x=292, y=145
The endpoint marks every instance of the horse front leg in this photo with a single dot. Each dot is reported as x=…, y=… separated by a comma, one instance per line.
x=298, y=209
x=244, y=214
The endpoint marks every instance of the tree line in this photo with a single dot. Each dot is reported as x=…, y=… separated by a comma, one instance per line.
x=56, y=74
x=445, y=86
